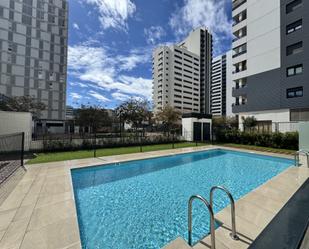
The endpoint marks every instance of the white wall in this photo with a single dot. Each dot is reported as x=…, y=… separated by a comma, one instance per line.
x=187, y=129
x=229, y=84
x=263, y=36
x=272, y=115
x=304, y=136
x=15, y=122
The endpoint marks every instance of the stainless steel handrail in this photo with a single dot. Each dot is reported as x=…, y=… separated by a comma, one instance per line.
x=212, y=220
x=234, y=233
x=301, y=152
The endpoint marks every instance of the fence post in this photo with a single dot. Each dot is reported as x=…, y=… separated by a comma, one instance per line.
x=95, y=147
x=22, y=148
x=140, y=145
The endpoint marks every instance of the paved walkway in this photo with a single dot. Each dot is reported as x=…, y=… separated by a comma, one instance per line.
x=40, y=212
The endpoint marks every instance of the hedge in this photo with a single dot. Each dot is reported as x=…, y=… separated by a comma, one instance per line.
x=89, y=144
x=288, y=140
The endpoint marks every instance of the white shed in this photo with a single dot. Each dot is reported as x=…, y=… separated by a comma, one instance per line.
x=196, y=127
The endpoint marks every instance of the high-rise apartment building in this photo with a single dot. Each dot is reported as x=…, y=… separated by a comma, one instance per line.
x=270, y=56
x=221, y=85
x=33, y=59
x=199, y=42
x=176, y=76
x=182, y=73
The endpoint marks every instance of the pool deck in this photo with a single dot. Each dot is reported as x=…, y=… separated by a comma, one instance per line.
x=40, y=212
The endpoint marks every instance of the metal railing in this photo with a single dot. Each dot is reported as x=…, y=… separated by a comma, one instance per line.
x=11, y=154
x=212, y=220
x=234, y=233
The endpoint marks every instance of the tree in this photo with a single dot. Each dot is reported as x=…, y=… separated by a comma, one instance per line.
x=94, y=117
x=23, y=104
x=169, y=117
x=249, y=123
x=224, y=123
x=134, y=112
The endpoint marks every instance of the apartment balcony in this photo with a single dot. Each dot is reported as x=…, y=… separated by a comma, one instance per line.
x=237, y=108
x=239, y=26
x=238, y=41
x=238, y=3
x=241, y=57
x=240, y=91
x=239, y=74
x=240, y=53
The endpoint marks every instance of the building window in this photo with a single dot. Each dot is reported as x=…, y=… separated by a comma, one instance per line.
x=294, y=92
x=294, y=48
x=40, y=75
x=294, y=26
x=293, y=6
x=295, y=70
x=299, y=114
x=240, y=17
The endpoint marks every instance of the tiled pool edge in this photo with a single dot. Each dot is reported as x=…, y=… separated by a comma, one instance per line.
x=40, y=212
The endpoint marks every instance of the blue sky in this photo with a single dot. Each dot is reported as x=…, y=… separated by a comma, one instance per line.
x=111, y=43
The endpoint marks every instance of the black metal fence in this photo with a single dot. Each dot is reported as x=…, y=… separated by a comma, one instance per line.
x=11, y=154
x=96, y=141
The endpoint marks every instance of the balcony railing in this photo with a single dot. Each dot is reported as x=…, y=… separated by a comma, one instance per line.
x=239, y=54
x=240, y=91
x=239, y=71
x=238, y=3
x=239, y=87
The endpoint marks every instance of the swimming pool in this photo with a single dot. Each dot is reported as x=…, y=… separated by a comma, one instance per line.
x=143, y=204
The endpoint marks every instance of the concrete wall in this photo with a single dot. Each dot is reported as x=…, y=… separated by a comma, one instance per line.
x=304, y=136
x=15, y=122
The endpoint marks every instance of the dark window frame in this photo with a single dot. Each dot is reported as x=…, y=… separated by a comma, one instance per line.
x=295, y=26
x=294, y=69
x=298, y=47
x=293, y=5
x=294, y=92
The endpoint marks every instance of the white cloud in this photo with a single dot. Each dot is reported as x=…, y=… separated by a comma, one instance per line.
x=98, y=96
x=120, y=96
x=207, y=13
x=82, y=85
x=75, y=26
x=113, y=13
x=75, y=95
x=102, y=70
x=154, y=34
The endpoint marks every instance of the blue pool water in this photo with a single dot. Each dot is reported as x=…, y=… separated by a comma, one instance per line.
x=143, y=204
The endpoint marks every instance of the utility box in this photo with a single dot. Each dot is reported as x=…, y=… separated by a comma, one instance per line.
x=196, y=127
x=304, y=136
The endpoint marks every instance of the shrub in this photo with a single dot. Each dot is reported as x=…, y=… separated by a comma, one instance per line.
x=288, y=140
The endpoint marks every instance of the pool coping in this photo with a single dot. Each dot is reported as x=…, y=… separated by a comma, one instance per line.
x=40, y=212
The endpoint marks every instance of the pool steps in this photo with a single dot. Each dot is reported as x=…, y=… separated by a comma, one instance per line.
x=254, y=211
x=209, y=206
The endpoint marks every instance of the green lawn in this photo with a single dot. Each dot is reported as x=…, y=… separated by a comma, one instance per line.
x=70, y=155
x=260, y=148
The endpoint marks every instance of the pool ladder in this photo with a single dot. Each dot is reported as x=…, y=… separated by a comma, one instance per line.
x=209, y=206
x=301, y=152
